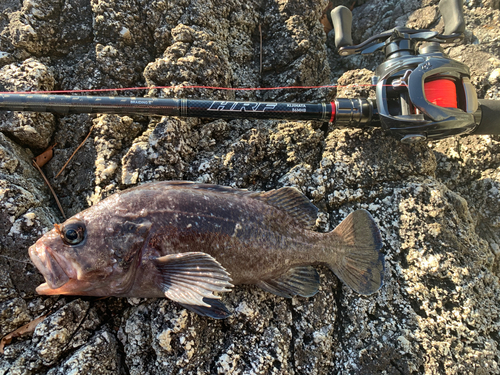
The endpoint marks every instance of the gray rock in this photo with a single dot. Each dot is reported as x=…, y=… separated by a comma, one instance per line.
x=30, y=129
x=99, y=355
x=25, y=213
x=436, y=204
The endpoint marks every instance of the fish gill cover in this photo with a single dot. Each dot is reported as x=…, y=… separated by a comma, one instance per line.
x=436, y=204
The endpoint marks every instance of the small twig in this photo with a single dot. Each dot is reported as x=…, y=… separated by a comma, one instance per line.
x=50, y=187
x=260, y=32
x=73, y=154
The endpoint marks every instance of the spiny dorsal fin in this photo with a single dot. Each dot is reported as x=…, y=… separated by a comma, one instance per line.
x=288, y=199
x=292, y=201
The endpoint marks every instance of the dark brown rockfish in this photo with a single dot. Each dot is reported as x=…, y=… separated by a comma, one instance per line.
x=186, y=241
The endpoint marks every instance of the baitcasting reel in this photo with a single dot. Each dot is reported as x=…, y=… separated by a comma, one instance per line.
x=420, y=92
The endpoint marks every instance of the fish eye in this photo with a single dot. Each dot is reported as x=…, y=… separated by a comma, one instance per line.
x=73, y=232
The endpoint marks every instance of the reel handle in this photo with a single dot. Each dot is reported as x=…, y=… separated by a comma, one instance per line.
x=490, y=113
x=451, y=10
x=453, y=16
x=342, y=24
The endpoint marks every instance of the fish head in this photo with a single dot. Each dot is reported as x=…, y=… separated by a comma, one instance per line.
x=89, y=254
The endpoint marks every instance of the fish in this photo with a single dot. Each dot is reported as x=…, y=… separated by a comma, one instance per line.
x=190, y=242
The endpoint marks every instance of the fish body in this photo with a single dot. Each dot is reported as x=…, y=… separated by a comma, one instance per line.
x=187, y=241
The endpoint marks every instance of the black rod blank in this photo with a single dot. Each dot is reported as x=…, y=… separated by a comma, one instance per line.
x=68, y=104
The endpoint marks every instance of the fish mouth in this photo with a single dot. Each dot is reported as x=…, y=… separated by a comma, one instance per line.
x=51, y=266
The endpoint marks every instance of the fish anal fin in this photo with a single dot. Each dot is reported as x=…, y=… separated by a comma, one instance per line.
x=292, y=201
x=302, y=281
x=215, y=309
x=191, y=278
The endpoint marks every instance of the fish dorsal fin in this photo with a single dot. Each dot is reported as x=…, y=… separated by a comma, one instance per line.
x=288, y=199
x=292, y=201
x=302, y=281
x=191, y=278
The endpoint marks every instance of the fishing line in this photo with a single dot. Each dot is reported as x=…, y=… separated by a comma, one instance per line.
x=16, y=260
x=194, y=87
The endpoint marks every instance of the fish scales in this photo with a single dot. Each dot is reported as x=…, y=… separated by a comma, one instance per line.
x=189, y=242
x=247, y=236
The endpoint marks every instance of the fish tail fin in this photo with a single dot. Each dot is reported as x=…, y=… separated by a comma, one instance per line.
x=358, y=262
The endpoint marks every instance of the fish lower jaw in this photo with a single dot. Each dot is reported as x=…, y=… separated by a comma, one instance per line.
x=45, y=290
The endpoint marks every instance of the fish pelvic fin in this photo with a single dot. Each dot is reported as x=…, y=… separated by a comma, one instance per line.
x=215, y=310
x=191, y=279
x=302, y=281
x=358, y=262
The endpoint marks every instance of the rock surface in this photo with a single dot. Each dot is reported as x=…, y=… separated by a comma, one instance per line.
x=436, y=204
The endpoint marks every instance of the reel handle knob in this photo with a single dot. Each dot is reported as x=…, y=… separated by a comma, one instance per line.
x=342, y=22
x=453, y=16
x=490, y=110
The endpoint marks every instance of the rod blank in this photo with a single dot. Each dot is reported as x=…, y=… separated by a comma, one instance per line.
x=67, y=104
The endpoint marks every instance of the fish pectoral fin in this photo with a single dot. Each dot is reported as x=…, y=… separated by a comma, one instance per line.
x=191, y=278
x=302, y=281
x=215, y=310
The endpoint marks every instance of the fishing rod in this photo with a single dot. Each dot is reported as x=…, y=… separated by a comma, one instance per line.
x=421, y=93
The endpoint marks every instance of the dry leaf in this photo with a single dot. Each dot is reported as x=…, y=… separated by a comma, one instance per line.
x=327, y=26
x=324, y=18
x=27, y=328
x=45, y=156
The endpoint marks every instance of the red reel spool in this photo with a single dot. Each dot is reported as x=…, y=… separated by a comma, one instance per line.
x=441, y=92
